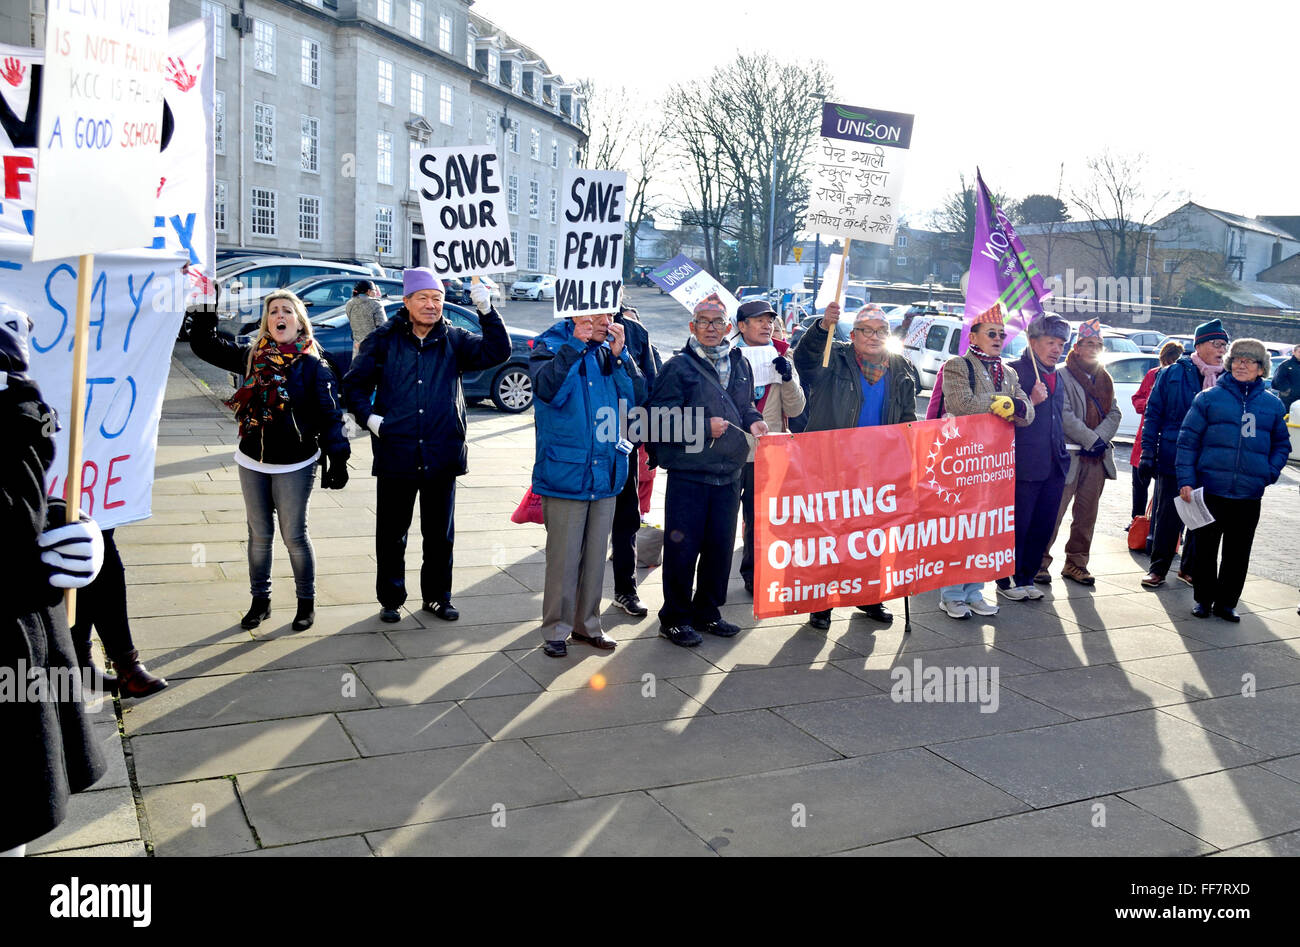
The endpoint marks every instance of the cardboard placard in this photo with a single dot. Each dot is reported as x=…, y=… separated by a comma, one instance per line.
x=590, y=276
x=463, y=207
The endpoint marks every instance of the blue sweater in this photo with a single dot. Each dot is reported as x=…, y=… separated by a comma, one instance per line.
x=1233, y=442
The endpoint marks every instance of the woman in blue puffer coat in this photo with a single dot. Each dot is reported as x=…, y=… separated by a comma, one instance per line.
x=1234, y=443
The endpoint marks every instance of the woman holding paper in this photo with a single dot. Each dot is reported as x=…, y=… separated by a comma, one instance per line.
x=1233, y=443
x=289, y=419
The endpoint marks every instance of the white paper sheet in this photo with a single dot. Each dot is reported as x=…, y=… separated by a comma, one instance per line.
x=1195, y=514
x=760, y=358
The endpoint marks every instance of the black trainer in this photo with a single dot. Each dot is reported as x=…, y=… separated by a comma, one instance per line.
x=390, y=615
x=631, y=604
x=556, y=649
x=723, y=629
x=444, y=610
x=683, y=635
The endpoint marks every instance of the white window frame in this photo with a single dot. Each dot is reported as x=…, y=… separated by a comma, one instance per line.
x=534, y=199
x=512, y=136
x=413, y=149
x=550, y=255
x=490, y=129
x=264, y=46
x=415, y=11
x=535, y=144
x=534, y=248
x=469, y=51
x=270, y=206
x=304, y=215
x=309, y=144
x=219, y=223
x=417, y=93
x=512, y=195
x=267, y=121
x=385, y=71
x=384, y=11
x=310, y=63
x=555, y=153
x=900, y=261
x=494, y=66
x=384, y=158
x=384, y=216
x=444, y=33
x=219, y=121
x=446, y=111
x=1170, y=265
x=555, y=194
x=217, y=13
x=514, y=243
x=900, y=241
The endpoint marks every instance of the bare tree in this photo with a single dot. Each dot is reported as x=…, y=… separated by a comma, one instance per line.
x=1117, y=209
x=957, y=214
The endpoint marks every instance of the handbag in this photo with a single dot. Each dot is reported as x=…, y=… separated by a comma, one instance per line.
x=1140, y=529
x=649, y=546
x=529, y=509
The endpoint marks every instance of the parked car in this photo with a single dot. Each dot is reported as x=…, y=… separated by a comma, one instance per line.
x=508, y=384
x=533, y=286
x=1127, y=370
x=744, y=292
x=1189, y=343
x=243, y=253
x=243, y=283
x=1147, y=340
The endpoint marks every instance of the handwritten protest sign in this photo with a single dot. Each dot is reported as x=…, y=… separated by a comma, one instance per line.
x=857, y=173
x=682, y=279
x=464, y=211
x=860, y=516
x=138, y=298
x=590, y=276
x=101, y=125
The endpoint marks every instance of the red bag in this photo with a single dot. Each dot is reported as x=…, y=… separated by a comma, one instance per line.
x=1139, y=530
x=529, y=509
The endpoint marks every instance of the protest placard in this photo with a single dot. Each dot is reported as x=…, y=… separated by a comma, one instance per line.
x=856, y=177
x=682, y=279
x=861, y=516
x=138, y=297
x=101, y=125
x=590, y=275
x=831, y=287
x=787, y=277
x=464, y=211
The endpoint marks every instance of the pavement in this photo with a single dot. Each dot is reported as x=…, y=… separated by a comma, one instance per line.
x=1123, y=726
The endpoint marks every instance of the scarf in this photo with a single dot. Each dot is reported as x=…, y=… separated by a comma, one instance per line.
x=1209, y=373
x=872, y=371
x=263, y=395
x=719, y=356
x=994, y=365
x=1099, y=388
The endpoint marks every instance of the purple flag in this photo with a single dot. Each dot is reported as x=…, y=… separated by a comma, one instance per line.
x=1000, y=270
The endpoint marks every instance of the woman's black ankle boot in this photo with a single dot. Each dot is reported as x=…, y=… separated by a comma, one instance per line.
x=258, y=612
x=306, y=614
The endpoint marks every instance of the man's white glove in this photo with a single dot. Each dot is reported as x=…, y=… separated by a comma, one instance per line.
x=481, y=298
x=373, y=423
x=74, y=554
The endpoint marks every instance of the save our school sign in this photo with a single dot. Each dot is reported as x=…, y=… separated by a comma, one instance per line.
x=138, y=296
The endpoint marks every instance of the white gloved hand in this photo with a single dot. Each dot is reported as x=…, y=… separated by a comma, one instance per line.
x=74, y=553
x=373, y=423
x=481, y=298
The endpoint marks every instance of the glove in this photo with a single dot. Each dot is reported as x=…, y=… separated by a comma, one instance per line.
x=333, y=471
x=783, y=367
x=1097, y=449
x=373, y=423
x=74, y=554
x=1002, y=406
x=203, y=317
x=481, y=298
x=1147, y=468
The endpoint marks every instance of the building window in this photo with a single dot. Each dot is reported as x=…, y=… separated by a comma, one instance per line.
x=219, y=122
x=383, y=230
x=535, y=144
x=512, y=137
x=219, y=206
x=469, y=51
x=550, y=255
x=309, y=218
x=264, y=46
x=216, y=12
x=1170, y=266
x=310, y=147
x=444, y=34
x=263, y=212
x=385, y=82
x=512, y=195
x=532, y=251
x=444, y=104
x=534, y=198
x=384, y=11
x=417, y=93
x=414, y=148
x=417, y=18
x=264, y=133
x=494, y=65
x=514, y=243
x=311, y=63
x=384, y=172
x=490, y=130
x=901, y=241
x=900, y=261
x=553, y=204
x=570, y=156
x=514, y=77
x=555, y=153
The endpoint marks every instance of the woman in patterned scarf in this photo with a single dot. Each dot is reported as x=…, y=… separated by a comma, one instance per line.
x=289, y=419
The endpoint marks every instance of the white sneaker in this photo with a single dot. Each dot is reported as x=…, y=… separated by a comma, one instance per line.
x=1015, y=593
x=981, y=607
x=955, y=609
x=1032, y=592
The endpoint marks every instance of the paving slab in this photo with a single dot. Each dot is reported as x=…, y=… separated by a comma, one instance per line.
x=586, y=708
x=347, y=846
x=1226, y=809
x=1267, y=594
x=244, y=698
x=179, y=631
x=451, y=677
x=239, y=657
x=408, y=728
x=899, y=848
x=1071, y=761
x=676, y=751
x=1268, y=720
x=627, y=824
x=1220, y=671
x=384, y=792
x=630, y=662
x=1014, y=621
x=1281, y=846
x=753, y=688
x=1095, y=691
x=878, y=669
x=133, y=849
x=871, y=638
x=1254, y=628
x=223, y=751
x=1288, y=767
x=95, y=817
x=1096, y=648
x=775, y=646
x=830, y=807
x=1105, y=827
x=198, y=818
x=337, y=620
x=1109, y=612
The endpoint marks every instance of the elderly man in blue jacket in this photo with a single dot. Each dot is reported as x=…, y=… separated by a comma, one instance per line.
x=584, y=381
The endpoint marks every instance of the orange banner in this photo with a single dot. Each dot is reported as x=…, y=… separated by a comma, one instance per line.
x=863, y=515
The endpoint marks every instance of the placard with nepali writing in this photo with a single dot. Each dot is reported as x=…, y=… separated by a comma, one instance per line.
x=464, y=211
x=138, y=297
x=864, y=515
x=590, y=275
x=856, y=178
x=101, y=125
x=683, y=279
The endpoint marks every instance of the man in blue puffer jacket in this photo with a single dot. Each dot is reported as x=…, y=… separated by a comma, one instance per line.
x=584, y=382
x=1234, y=443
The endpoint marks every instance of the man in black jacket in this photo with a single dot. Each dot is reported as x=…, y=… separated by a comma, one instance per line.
x=1286, y=380
x=707, y=390
x=412, y=365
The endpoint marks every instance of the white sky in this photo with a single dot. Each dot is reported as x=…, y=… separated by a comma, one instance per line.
x=1202, y=90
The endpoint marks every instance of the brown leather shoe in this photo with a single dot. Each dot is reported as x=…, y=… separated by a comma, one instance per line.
x=1153, y=581
x=1075, y=574
x=133, y=680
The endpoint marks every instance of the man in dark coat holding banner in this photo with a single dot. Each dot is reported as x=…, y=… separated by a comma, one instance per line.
x=862, y=386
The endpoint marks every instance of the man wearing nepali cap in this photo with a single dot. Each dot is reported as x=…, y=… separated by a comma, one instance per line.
x=709, y=388
x=411, y=365
x=1091, y=419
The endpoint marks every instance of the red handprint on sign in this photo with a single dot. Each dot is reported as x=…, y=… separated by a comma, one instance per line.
x=13, y=71
x=201, y=282
x=181, y=77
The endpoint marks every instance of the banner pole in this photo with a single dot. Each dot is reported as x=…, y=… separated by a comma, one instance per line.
x=839, y=289
x=907, y=614
x=76, y=421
